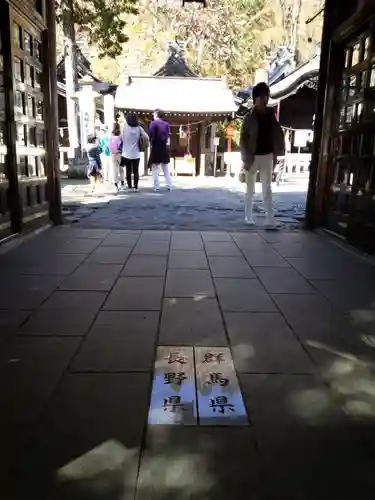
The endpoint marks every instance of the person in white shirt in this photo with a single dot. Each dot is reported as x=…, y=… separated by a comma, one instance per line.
x=134, y=138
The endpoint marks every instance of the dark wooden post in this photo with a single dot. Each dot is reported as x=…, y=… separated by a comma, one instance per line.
x=198, y=150
x=51, y=107
x=319, y=112
x=10, y=131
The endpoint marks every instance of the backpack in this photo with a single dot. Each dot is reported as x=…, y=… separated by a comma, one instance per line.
x=115, y=144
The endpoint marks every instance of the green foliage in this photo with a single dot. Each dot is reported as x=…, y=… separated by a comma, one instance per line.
x=104, y=21
x=221, y=39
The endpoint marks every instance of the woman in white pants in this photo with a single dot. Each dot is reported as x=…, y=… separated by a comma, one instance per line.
x=262, y=140
x=160, y=132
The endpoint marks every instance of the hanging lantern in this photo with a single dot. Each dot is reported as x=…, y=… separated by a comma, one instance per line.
x=194, y=1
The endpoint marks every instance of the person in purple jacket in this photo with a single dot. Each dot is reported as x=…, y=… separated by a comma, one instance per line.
x=159, y=132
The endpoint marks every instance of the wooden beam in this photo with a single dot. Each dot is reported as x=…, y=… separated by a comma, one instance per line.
x=51, y=107
x=10, y=131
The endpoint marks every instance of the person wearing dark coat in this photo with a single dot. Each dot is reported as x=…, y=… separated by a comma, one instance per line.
x=159, y=132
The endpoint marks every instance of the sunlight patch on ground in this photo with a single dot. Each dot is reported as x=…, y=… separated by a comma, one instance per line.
x=101, y=471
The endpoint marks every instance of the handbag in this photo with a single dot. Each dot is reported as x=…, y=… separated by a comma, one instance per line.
x=142, y=142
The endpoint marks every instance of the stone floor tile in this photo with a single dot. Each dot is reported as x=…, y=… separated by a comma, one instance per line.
x=119, y=341
x=136, y=232
x=188, y=240
x=109, y=255
x=94, y=277
x=230, y=267
x=195, y=463
x=95, y=422
x=136, y=294
x=326, y=462
x=77, y=246
x=222, y=249
x=264, y=257
x=285, y=237
x=51, y=264
x=189, y=283
x=75, y=300
x=61, y=321
x=99, y=234
x=216, y=236
x=329, y=267
x=187, y=321
x=305, y=248
x=151, y=248
x=263, y=343
x=145, y=265
x=283, y=280
x=149, y=236
x=243, y=295
x=310, y=316
x=34, y=367
x=250, y=241
x=24, y=292
x=120, y=240
x=10, y=320
x=343, y=353
x=185, y=259
x=289, y=400
x=347, y=297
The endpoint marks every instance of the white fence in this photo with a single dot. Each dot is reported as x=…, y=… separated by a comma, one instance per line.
x=290, y=166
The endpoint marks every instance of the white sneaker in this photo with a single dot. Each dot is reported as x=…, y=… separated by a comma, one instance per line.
x=169, y=188
x=249, y=222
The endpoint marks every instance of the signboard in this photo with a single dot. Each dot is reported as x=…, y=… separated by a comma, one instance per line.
x=216, y=141
x=230, y=132
x=219, y=396
x=173, y=400
x=196, y=387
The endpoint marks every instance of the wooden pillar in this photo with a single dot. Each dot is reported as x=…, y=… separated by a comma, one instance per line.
x=109, y=111
x=328, y=23
x=212, y=137
x=198, y=150
x=10, y=131
x=51, y=108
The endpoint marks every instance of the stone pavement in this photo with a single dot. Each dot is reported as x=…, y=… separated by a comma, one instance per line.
x=195, y=203
x=82, y=311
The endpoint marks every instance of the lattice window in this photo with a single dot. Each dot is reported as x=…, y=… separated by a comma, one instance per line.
x=353, y=140
x=28, y=71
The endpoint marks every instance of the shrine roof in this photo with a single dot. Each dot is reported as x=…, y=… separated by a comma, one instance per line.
x=176, y=95
x=296, y=79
